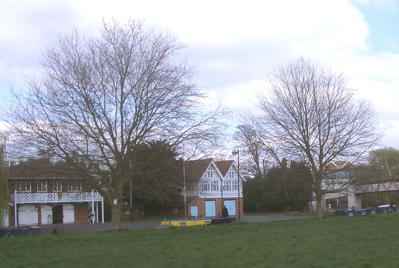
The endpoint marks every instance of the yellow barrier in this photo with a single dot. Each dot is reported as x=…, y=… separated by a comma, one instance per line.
x=185, y=222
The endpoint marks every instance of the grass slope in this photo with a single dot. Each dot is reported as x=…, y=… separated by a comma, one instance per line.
x=363, y=241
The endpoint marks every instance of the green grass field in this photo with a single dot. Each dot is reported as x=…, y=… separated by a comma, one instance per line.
x=362, y=241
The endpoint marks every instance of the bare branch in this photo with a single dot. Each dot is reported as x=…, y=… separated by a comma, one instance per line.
x=311, y=114
x=102, y=96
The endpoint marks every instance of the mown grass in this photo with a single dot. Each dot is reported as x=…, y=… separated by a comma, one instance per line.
x=363, y=241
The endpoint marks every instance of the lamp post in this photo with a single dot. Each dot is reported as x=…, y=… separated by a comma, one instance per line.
x=378, y=186
x=184, y=190
x=131, y=201
x=237, y=152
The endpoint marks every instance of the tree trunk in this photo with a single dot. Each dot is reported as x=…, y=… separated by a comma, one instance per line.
x=115, y=214
x=319, y=208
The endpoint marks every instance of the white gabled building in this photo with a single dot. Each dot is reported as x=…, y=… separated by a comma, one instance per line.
x=210, y=185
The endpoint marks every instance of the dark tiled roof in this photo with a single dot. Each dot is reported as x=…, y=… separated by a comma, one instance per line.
x=224, y=166
x=196, y=168
x=40, y=169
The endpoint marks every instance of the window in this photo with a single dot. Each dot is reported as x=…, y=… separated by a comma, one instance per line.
x=205, y=185
x=23, y=186
x=42, y=186
x=227, y=186
x=214, y=186
x=232, y=174
x=175, y=210
x=74, y=186
x=57, y=186
x=234, y=186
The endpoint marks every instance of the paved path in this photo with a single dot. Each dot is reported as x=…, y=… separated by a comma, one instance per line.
x=141, y=225
x=271, y=218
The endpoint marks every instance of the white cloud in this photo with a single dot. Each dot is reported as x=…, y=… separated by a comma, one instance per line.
x=233, y=44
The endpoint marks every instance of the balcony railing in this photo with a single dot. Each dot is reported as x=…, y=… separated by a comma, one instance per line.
x=55, y=197
x=211, y=194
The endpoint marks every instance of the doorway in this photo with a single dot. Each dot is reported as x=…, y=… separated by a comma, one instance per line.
x=58, y=214
x=210, y=208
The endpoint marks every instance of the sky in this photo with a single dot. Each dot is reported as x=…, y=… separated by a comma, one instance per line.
x=233, y=45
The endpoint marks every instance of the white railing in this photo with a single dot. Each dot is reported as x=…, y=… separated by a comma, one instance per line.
x=55, y=197
x=217, y=194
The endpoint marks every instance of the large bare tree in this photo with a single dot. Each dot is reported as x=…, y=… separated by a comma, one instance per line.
x=311, y=114
x=100, y=96
x=4, y=193
x=247, y=138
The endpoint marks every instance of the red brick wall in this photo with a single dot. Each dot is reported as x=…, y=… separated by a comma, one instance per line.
x=219, y=205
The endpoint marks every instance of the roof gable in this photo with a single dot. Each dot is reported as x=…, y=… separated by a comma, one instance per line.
x=224, y=166
x=196, y=168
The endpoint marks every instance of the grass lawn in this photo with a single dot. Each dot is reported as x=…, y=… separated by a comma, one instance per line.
x=361, y=241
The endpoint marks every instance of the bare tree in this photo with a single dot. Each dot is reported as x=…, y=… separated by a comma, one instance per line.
x=247, y=138
x=101, y=96
x=310, y=114
x=4, y=193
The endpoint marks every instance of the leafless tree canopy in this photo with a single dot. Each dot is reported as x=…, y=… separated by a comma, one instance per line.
x=4, y=193
x=247, y=137
x=311, y=114
x=101, y=96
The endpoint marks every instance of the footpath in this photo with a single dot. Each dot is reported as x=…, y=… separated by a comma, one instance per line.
x=142, y=225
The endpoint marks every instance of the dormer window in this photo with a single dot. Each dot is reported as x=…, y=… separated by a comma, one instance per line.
x=232, y=174
x=210, y=173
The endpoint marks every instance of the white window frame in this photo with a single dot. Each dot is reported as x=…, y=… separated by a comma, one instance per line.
x=210, y=173
x=227, y=186
x=175, y=210
x=214, y=186
x=42, y=186
x=57, y=186
x=74, y=187
x=234, y=185
x=205, y=185
x=23, y=186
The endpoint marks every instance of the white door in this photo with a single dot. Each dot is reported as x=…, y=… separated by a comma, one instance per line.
x=231, y=207
x=47, y=214
x=194, y=211
x=5, y=219
x=27, y=215
x=210, y=209
x=69, y=213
